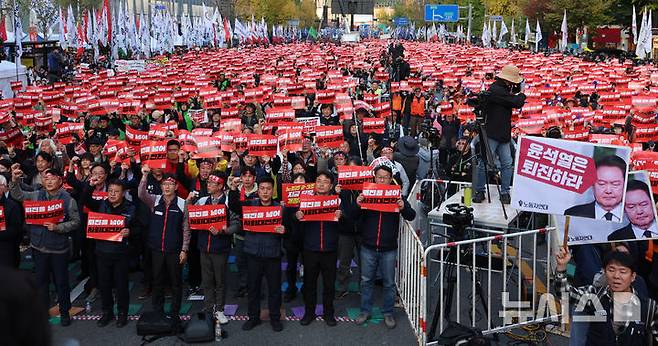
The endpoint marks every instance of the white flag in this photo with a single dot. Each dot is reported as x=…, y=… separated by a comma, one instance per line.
x=527, y=31
x=62, y=36
x=18, y=34
x=565, y=33
x=494, y=33
x=538, y=36
x=641, y=37
x=485, y=35
x=648, y=42
x=634, y=27
x=503, y=32
x=513, y=33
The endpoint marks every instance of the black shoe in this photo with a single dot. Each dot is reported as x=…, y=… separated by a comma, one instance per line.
x=65, y=320
x=330, y=320
x=122, y=320
x=478, y=197
x=307, y=319
x=105, y=320
x=250, y=324
x=505, y=198
x=145, y=293
x=289, y=296
x=277, y=326
x=241, y=293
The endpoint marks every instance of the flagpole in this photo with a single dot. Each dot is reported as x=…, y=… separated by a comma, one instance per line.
x=17, y=59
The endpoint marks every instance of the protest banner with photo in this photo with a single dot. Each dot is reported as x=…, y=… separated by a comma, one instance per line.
x=292, y=193
x=374, y=125
x=41, y=212
x=291, y=140
x=561, y=177
x=262, y=145
x=638, y=221
x=203, y=217
x=353, y=177
x=380, y=197
x=3, y=222
x=102, y=226
x=154, y=154
x=261, y=219
x=647, y=161
x=319, y=208
x=329, y=136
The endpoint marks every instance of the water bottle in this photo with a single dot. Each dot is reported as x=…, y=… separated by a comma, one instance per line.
x=88, y=307
x=218, y=331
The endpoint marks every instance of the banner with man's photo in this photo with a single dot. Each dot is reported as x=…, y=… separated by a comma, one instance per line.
x=579, y=179
x=638, y=221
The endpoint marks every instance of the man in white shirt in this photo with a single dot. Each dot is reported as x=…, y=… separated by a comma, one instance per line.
x=640, y=212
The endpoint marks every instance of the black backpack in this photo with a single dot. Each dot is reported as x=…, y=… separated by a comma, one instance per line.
x=200, y=328
x=156, y=325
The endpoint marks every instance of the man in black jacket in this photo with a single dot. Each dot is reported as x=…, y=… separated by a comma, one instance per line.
x=10, y=235
x=113, y=258
x=320, y=246
x=379, y=242
x=498, y=110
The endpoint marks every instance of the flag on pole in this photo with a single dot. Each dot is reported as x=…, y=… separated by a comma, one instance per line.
x=494, y=33
x=642, y=36
x=634, y=27
x=648, y=43
x=485, y=35
x=527, y=31
x=18, y=33
x=503, y=32
x=565, y=33
x=538, y=36
x=3, y=29
x=513, y=33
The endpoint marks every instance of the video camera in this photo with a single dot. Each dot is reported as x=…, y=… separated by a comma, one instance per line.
x=479, y=103
x=459, y=218
x=429, y=132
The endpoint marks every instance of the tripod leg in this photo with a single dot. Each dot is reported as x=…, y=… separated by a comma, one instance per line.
x=440, y=303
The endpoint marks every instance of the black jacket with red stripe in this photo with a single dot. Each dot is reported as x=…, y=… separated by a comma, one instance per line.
x=220, y=243
x=379, y=230
x=322, y=235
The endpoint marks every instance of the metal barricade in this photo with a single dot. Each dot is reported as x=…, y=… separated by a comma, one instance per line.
x=471, y=274
x=410, y=278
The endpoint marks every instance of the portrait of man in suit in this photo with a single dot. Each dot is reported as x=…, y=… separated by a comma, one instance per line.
x=608, y=192
x=640, y=212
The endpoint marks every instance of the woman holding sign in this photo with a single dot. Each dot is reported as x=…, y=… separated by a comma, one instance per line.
x=216, y=225
x=52, y=215
x=380, y=223
x=319, y=226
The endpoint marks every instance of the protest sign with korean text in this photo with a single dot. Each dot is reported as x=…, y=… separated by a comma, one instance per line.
x=291, y=140
x=353, y=177
x=319, y=208
x=380, y=197
x=261, y=219
x=154, y=154
x=292, y=193
x=563, y=177
x=3, y=221
x=262, y=145
x=41, y=212
x=374, y=125
x=102, y=226
x=203, y=217
x=329, y=136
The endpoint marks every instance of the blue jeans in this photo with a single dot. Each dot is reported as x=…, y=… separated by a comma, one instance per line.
x=504, y=153
x=370, y=261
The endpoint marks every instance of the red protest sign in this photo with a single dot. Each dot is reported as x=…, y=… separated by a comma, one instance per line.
x=261, y=219
x=105, y=226
x=292, y=193
x=187, y=141
x=276, y=115
x=203, y=217
x=291, y=140
x=65, y=131
x=97, y=195
x=555, y=166
x=135, y=137
x=158, y=131
x=381, y=197
x=374, y=125
x=3, y=224
x=329, y=136
x=353, y=177
x=40, y=212
x=154, y=154
x=319, y=208
x=207, y=147
x=262, y=145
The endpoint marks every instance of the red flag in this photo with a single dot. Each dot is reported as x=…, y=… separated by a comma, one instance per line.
x=3, y=29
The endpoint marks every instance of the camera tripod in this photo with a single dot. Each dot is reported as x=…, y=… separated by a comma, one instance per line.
x=458, y=232
x=489, y=164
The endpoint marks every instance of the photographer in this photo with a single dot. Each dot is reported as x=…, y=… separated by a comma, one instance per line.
x=505, y=94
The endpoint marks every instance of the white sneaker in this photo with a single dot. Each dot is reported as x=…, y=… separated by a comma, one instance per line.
x=220, y=317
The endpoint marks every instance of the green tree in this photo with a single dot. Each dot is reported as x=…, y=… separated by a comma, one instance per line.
x=591, y=13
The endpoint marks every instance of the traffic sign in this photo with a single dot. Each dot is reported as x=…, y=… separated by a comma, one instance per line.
x=401, y=21
x=441, y=13
x=496, y=18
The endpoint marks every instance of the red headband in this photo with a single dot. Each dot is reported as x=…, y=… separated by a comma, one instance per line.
x=170, y=180
x=216, y=179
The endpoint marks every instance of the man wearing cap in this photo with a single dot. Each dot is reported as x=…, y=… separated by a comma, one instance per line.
x=50, y=241
x=504, y=94
x=214, y=246
x=168, y=238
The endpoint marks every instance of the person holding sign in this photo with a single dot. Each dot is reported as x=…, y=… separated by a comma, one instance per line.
x=49, y=240
x=11, y=224
x=320, y=246
x=263, y=250
x=214, y=244
x=379, y=242
x=168, y=238
x=112, y=257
